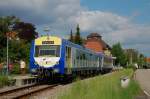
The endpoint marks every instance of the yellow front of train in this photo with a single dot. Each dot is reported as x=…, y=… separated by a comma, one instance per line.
x=47, y=51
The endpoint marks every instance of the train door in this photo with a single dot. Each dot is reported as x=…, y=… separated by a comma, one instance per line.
x=68, y=60
x=101, y=62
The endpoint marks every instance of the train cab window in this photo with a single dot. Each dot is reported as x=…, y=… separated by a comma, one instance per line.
x=47, y=50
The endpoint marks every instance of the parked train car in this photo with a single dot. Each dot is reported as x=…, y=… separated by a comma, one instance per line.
x=107, y=64
x=52, y=55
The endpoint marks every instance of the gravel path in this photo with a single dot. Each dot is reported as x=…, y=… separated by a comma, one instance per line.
x=143, y=77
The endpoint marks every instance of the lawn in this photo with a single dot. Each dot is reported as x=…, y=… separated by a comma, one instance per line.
x=103, y=87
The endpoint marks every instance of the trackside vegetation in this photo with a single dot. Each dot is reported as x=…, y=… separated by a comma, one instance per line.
x=103, y=87
x=4, y=81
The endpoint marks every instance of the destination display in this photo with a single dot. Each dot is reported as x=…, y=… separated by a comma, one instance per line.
x=47, y=42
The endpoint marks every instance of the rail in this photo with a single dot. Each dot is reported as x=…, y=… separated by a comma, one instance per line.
x=25, y=91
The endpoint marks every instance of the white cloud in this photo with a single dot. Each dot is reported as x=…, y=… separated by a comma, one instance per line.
x=24, y=4
x=41, y=11
x=101, y=21
x=63, y=15
x=115, y=28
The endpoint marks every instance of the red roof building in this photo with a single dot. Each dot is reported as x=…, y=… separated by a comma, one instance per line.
x=148, y=60
x=94, y=42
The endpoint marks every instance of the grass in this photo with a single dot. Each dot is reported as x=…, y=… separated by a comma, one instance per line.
x=4, y=81
x=103, y=87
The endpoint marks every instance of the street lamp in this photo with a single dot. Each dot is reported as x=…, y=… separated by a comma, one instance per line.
x=8, y=37
x=7, y=72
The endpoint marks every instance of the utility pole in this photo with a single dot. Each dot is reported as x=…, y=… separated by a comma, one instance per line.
x=7, y=55
x=9, y=35
x=131, y=59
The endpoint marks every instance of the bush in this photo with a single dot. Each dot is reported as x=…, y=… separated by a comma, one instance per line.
x=16, y=69
x=132, y=67
x=4, y=81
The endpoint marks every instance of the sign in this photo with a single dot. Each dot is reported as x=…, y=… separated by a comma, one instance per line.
x=11, y=34
x=47, y=42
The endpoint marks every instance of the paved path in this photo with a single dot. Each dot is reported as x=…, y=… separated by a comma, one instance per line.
x=143, y=77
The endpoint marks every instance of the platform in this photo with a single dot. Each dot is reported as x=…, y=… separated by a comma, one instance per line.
x=20, y=80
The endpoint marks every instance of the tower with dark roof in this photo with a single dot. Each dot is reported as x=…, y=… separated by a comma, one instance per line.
x=94, y=35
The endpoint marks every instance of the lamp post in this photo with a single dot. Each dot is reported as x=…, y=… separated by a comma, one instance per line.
x=7, y=72
x=9, y=34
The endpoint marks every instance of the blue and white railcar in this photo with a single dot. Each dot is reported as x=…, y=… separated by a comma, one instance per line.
x=50, y=54
x=107, y=63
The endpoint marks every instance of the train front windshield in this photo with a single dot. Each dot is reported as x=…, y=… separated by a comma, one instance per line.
x=47, y=50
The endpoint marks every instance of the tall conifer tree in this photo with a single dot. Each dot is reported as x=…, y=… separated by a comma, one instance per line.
x=71, y=37
x=78, y=39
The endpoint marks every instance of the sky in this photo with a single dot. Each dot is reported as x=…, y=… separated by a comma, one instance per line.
x=124, y=21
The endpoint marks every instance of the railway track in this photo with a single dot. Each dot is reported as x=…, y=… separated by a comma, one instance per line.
x=24, y=92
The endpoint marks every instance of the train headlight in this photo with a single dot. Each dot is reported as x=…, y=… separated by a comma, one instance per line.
x=33, y=70
x=56, y=70
x=57, y=63
x=35, y=63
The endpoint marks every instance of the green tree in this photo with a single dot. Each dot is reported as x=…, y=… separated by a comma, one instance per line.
x=21, y=52
x=5, y=23
x=18, y=49
x=118, y=52
x=141, y=60
x=26, y=31
x=71, y=38
x=78, y=39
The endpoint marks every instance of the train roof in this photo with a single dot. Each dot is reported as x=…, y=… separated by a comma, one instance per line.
x=43, y=38
x=80, y=47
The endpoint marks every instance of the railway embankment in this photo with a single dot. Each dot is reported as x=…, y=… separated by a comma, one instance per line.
x=104, y=87
x=4, y=81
